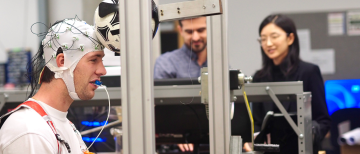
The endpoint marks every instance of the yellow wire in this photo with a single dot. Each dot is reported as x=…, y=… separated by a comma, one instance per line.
x=251, y=118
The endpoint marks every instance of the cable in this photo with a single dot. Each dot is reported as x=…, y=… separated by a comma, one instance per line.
x=191, y=52
x=251, y=118
x=106, y=118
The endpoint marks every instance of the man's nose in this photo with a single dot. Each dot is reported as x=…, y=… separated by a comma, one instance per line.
x=101, y=70
x=195, y=36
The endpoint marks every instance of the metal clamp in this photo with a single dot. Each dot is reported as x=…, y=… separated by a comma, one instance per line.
x=203, y=79
x=243, y=79
x=189, y=9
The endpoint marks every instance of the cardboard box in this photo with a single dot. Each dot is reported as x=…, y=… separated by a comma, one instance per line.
x=346, y=149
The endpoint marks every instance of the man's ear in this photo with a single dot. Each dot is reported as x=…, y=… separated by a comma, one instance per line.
x=60, y=60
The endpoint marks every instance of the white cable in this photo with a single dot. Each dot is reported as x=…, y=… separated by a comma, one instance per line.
x=106, y=118
x=192, y=34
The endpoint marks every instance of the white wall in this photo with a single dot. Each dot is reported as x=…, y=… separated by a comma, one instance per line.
x=16, y=18
x=61, y=9
x=245, y=17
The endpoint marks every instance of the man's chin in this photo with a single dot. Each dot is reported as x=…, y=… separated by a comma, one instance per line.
x=87, y=96
x=197, y=50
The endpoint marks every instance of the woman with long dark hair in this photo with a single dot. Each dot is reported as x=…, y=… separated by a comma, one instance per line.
x=281, y=62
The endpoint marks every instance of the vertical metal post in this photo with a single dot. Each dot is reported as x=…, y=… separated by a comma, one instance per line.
x=156, y=42
x=219, y=92
x=236, y=145
x=304, y=123
x=137, y=77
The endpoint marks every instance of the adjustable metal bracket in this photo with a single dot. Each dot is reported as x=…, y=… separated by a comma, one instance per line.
x=284, y=112
x=203, y=79
x=189, y=9
x=237, y=80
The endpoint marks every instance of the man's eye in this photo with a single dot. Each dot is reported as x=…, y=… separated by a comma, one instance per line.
x=93, y=60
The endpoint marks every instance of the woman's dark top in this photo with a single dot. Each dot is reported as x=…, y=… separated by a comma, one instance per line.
x=312, y=82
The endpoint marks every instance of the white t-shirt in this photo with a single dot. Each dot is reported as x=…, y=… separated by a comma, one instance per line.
x=25, y=131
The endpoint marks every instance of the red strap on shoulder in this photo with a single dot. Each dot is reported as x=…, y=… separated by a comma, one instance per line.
x=35, y=106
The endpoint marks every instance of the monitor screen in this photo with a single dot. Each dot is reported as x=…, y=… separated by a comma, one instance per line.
x=189, y=123
x=114, y=81
x=341, y=94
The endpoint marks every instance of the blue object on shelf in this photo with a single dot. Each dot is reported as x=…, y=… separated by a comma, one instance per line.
x=2, y=75
x=93, y=123
x=91, y=139
x=341, y=94
x=16, y=69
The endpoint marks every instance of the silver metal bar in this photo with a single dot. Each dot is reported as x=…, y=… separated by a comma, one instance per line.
x=253, y=90
x=218, y=78
x=235, y=145
x=279, y=88
x=189, y=9
x=156, y=43
x=137, y=77
x=2, y=100
x=284, y=112
x=204, y=86
x=305, y=122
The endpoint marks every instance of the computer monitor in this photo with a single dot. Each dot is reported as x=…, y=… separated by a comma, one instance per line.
x=114, y=81
x=188, y=123
x=341, y=94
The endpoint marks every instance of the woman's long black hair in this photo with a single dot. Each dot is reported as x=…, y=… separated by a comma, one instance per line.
x=292, y=59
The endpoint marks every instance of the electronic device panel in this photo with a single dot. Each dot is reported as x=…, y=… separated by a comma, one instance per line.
x=188, y=123
x=341, y=94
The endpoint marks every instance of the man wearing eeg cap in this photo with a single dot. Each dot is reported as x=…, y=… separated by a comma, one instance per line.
x=72, y=56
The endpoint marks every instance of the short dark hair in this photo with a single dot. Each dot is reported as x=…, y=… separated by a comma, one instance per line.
x=37, y=65
x=293, y=59
x=47, y=74
x=180, y=23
